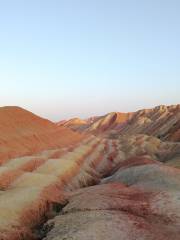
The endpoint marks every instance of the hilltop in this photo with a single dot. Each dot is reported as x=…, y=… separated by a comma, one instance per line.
x=161, y=121
x=23, y=132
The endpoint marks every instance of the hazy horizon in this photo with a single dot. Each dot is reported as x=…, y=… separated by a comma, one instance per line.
x=86, y=116
x=64, y=59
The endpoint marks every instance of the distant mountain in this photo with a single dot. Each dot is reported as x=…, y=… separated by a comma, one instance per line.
x=109, y=121
x=74, y=123
x=98, y=123
x=162, y=122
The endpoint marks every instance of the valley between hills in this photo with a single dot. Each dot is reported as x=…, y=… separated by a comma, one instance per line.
x=107, y=177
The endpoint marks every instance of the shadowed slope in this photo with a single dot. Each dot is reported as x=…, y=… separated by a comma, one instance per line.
x=161, y=121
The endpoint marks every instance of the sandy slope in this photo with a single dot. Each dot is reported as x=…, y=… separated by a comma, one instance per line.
x=22, y=133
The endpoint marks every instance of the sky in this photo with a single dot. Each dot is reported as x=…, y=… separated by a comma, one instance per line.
x=80, y=58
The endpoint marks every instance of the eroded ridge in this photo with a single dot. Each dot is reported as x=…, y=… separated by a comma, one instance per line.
x=92, y=188
x=31, y=185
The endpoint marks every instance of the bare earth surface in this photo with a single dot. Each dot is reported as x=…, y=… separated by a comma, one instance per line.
x=23, y=133
x=116, y=182
x=162, y=122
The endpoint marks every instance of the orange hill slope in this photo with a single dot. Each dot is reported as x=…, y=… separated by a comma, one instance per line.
x=162, y=122
x=109, y=121
x=22, y=132
x=97, y=124
x=74, y=123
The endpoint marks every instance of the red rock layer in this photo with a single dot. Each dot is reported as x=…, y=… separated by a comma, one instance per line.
x=23, y=133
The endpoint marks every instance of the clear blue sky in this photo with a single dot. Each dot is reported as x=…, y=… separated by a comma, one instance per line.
x=65, y=58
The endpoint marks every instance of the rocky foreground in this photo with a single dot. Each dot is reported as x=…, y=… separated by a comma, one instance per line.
x=108, y=186
x=135, y=198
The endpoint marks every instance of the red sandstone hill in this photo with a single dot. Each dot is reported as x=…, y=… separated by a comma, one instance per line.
x=22, y=132
x=97, y=124
x=124, y=188
x=109, y=121
x=74, y=123
x=162, y=122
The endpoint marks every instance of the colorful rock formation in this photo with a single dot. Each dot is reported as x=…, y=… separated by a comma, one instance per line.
x=122, y=183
